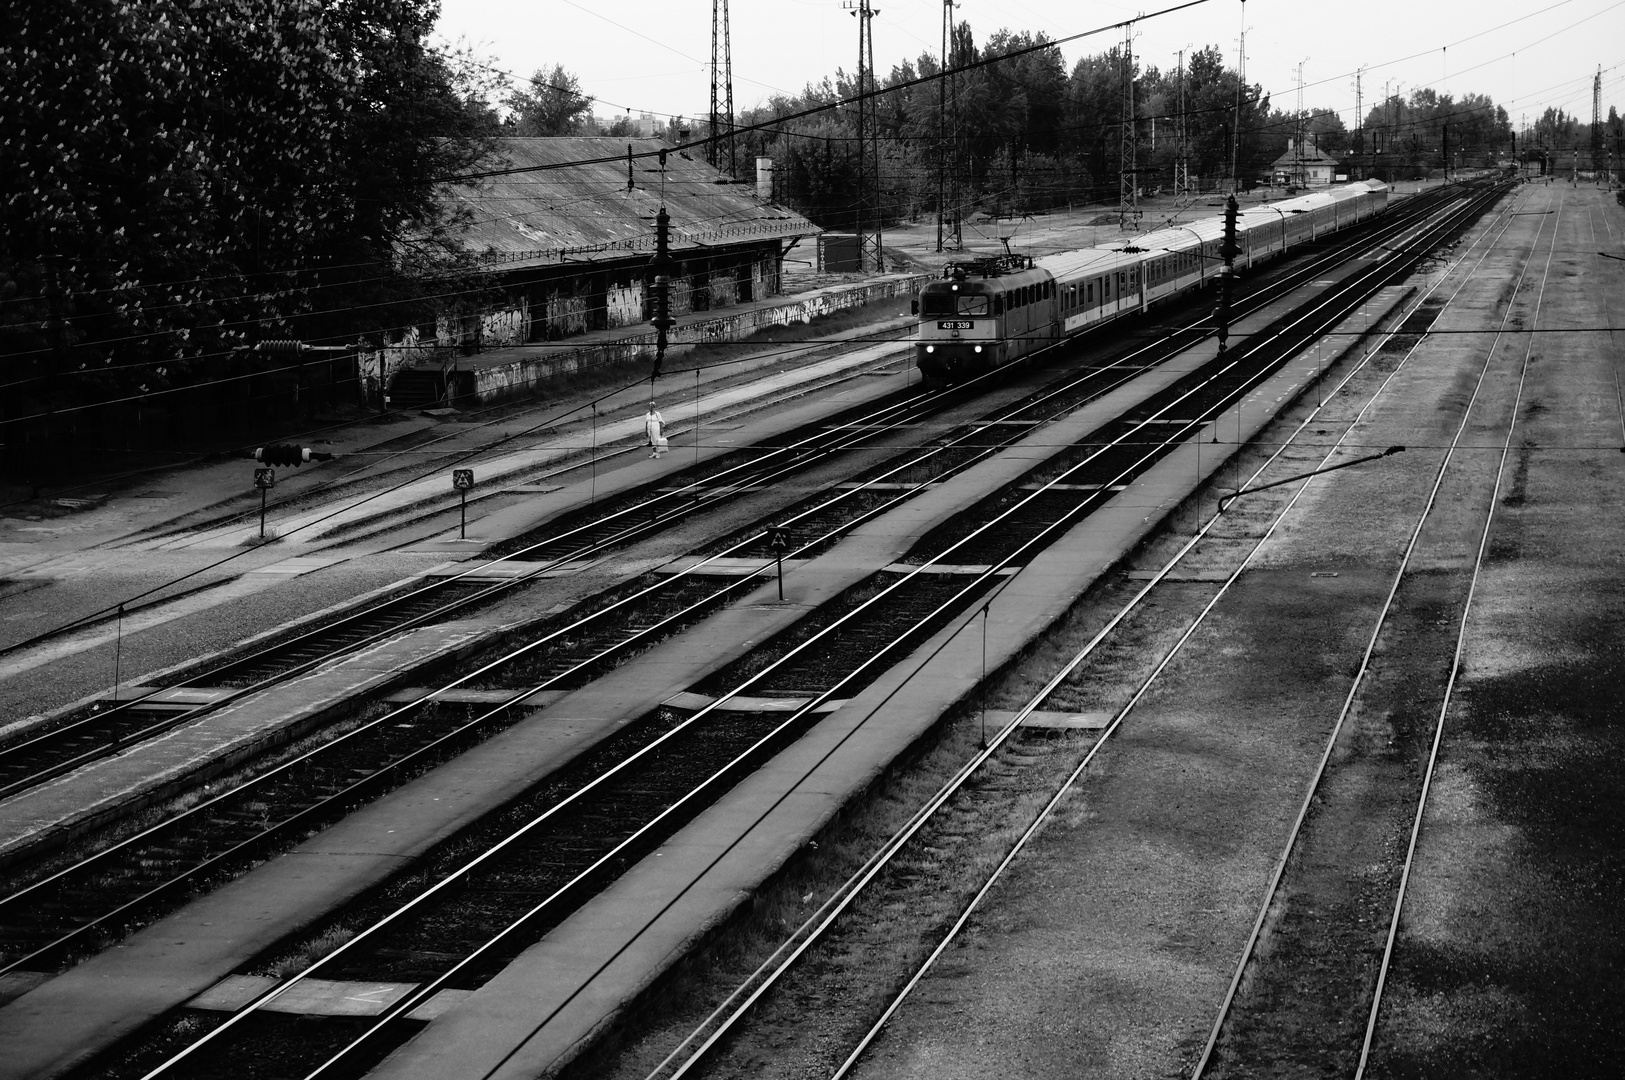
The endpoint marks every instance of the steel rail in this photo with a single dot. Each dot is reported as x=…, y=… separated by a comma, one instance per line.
x=843, y=900
x=709, y=1033
x=725, y=773
x=1455, y=669
x=678, y=497
x=322, y=806
x=315, y=812
x=425, y=991
x=826, y=442
x=1319, y=773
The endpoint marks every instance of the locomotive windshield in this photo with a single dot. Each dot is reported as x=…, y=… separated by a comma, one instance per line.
x=949, y=304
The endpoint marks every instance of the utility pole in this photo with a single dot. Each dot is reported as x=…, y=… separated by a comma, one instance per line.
x=1182, y=177
x=1127, y=211
x=942, y=116
x=1359, y=111
x=660, y=284
x=722, y=89
x=1301, y=176
x=1241, y=81
x=1596, y=121
x=870, y=248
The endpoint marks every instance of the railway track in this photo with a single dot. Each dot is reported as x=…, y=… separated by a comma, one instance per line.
x=965, y=787
x=531, y=861
x=74, y=909
x=369, y=479
x=97, y=733
x=102, y=731
x=55, y=918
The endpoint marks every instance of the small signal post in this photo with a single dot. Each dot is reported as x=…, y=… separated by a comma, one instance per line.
x=463, y=480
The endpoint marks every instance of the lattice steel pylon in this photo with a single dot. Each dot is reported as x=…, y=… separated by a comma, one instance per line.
x=1128, y=212
x=867, y=231
x=942, y=121
x=1596, y=124
x=722, y=89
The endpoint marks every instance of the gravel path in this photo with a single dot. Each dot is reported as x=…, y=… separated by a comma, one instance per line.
x=1513, y=939
x=1107, y=952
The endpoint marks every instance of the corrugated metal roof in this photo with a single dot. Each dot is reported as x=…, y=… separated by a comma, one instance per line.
x=584, y=212
x=1094, y=260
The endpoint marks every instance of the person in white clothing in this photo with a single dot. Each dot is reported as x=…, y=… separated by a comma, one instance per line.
x=653, y=425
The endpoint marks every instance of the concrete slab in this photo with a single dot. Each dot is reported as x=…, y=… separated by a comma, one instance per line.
x=970, y=569
x=509, y=569
x=744, y=703
x=307, y=997
x=301, y=564
x=176, y=695
x=728, y=567
x=215, y=742
x=999, y=719
x=463, y=696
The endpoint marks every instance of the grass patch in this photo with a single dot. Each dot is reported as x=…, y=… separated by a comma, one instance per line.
x=309, y=952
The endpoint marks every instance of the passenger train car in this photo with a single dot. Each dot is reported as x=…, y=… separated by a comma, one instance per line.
x=992, y=311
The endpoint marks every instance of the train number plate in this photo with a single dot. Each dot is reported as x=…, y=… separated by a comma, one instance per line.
x=955, y=324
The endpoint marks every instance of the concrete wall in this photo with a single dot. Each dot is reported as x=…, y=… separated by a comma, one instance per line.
x=507, y=326
x=488, y=381
x=625, y=305
x=567, y=313
x=723, y=286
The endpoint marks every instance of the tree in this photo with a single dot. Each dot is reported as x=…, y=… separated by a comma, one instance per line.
x=550, y=104
x=186, y=179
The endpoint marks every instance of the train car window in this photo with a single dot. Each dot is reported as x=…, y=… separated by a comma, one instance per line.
x=972, y=305
x=936, y=304
x=998, y=304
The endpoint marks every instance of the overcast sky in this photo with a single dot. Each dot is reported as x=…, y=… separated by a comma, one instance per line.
x=653, y=55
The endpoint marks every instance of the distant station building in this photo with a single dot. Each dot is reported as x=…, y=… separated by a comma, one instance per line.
x=1305, y=167
x=568, y=232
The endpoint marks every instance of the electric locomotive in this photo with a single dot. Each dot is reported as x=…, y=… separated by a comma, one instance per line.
x=982, y=314
x=992, y=311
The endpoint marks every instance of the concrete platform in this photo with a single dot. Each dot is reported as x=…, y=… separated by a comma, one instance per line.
x=513, y=521
x=180, y=758
x=548, y=1005
x=504, y=470
x=70, y=1018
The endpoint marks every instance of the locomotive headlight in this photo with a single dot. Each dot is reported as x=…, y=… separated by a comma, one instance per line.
x=978, y=348
x=930, y=348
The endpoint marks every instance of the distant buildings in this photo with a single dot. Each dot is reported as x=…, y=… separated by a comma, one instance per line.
x=1305, y=166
